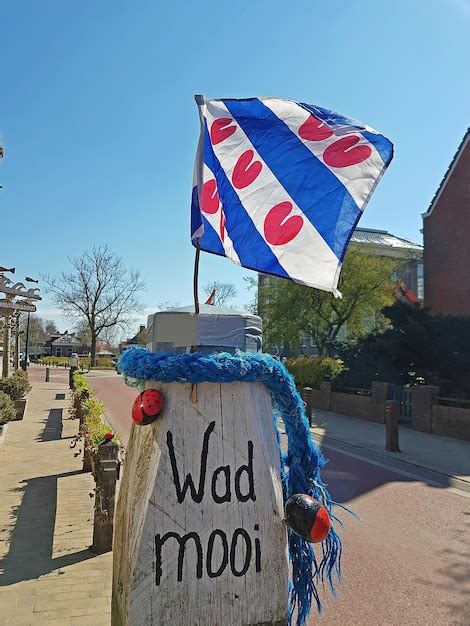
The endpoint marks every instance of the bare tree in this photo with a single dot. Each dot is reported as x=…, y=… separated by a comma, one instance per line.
x=166, y=305
x=251, y=284
x=50, y=327
x=224, y=292
x=100, y=290
x=81, y=330
x=37, y=332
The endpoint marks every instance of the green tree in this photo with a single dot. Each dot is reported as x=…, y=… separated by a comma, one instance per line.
x=417, y=347
x=291, y=311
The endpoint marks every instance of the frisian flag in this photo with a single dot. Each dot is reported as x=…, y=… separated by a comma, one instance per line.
x=279, y=186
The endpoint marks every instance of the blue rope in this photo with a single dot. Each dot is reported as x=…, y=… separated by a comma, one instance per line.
x=301, y=464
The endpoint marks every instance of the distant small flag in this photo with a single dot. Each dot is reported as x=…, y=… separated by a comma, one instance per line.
x=279, y=186
x=406, y=293
x=211, y=298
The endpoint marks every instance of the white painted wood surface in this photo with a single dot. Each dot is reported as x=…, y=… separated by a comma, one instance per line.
x=148, y=507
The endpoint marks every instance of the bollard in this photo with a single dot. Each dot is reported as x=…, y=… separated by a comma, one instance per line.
x=106, y=473
x=47, y=374
x=307, y=393
x=391, y=425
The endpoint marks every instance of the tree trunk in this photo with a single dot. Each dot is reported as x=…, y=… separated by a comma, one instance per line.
x=93, y=350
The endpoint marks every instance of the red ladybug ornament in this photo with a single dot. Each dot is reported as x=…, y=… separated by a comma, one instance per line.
x=147, y=407
x=307, y=517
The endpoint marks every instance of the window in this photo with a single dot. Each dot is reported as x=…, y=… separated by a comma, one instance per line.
x=58, y=351
x=420, y=281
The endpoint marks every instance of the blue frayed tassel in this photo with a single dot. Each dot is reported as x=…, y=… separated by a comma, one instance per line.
x=300, y=466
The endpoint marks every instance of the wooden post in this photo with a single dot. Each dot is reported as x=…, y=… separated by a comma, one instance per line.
x=307, y=397
x=200, y=534
x=392, y=413
x=47, y=374
x=79, y=406
x=105, y=476
x=86, y=467
x=6, y=346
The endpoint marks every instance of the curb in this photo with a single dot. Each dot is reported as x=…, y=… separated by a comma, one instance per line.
x=411, y=469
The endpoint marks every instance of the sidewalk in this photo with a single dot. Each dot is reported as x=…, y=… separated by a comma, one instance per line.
x=47, y=573
x=442, y=459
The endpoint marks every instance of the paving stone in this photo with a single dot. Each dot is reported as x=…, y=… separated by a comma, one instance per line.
x=46, y=521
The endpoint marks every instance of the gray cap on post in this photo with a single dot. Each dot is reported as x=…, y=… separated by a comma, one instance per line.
x=214, y=329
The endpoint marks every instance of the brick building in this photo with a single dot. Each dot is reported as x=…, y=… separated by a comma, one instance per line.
x=446, y=230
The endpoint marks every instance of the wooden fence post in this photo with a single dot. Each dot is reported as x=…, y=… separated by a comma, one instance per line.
x=307, y=397
x=106, y=473
x=84, y=396
x=86, y=454
x=392, y=412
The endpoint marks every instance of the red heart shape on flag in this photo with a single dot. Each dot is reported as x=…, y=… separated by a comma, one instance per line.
x=210, y=197
x=221, y=129
x=244, y=173
x=314, y=129
x=341, y=153
x=277, y=231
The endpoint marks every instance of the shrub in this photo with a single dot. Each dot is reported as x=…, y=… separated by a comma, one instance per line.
x=80, y=383
x=312, y=371
x=7, y=408
x=93, y=423
x=16, y=386
x=81, y=391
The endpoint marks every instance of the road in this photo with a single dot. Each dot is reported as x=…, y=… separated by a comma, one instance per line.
x=406, y=560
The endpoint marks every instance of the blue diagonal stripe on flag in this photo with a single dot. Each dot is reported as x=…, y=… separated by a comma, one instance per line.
x=383, y=145
x=248, y=243
x=280, y=186
x=308, y=193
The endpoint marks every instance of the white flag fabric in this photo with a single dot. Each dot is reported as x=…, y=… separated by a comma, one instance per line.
x=279, y=186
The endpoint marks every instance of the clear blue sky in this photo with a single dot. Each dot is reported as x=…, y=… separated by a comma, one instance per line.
x=99, y=125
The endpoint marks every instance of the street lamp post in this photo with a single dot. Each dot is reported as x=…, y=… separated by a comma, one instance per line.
x=24, y=364
x=16, y=318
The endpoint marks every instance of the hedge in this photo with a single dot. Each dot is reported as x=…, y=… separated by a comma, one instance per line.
x=312, y=371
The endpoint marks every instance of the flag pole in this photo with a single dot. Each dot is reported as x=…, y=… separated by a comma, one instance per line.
x=199, y=164
x=196, y=278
